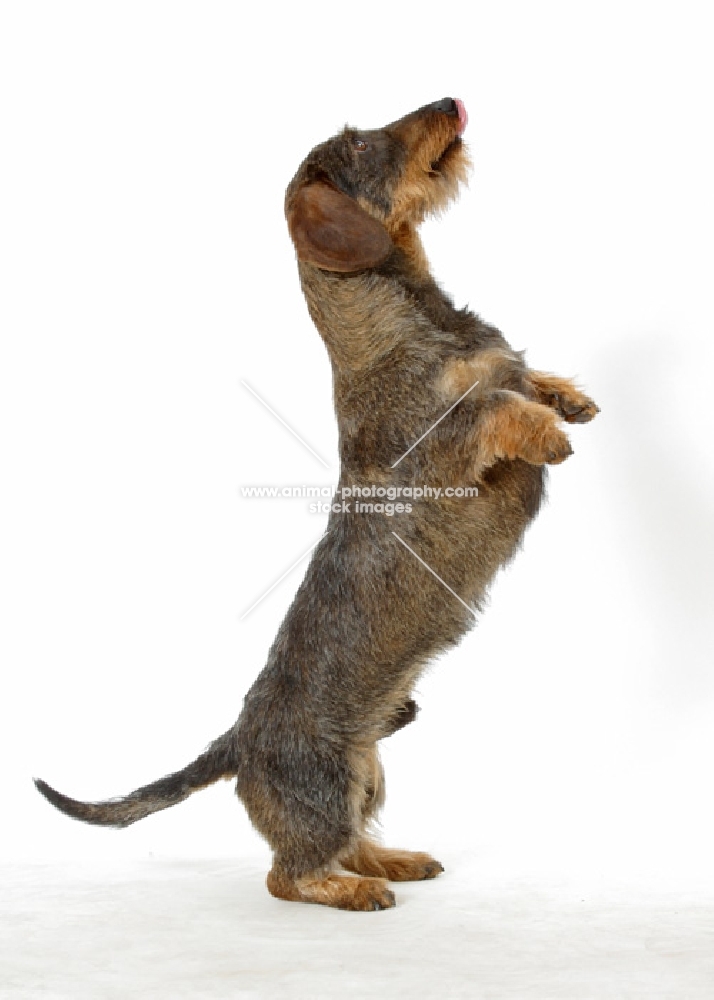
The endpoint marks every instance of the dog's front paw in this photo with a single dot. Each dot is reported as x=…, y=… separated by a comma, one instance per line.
x=548, y=445
x=575, y=407
x=517, y=427
x=563, y=396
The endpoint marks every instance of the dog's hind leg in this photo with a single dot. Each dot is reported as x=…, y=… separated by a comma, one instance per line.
x=286, y=880
x=367, y=857
x=308, y=804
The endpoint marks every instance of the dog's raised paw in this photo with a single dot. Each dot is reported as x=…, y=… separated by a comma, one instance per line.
x=578, y=409
x=558, y=450
x=548, y=446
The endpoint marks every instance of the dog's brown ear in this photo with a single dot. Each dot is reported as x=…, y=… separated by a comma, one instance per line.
x=330, y=229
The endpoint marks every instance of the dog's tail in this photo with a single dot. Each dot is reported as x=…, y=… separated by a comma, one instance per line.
x=218, y=761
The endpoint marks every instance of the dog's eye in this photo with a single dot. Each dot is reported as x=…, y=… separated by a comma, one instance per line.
x=359, y=144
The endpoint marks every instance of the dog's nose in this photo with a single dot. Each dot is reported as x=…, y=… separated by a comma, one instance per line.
x=453, y=108
x=448, y=106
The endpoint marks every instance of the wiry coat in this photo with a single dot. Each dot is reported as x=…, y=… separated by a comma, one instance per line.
x=382, y=595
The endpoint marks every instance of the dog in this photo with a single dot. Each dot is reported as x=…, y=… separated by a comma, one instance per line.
x=425, y=393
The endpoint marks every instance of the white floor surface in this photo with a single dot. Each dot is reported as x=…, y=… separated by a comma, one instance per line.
x=177, y=929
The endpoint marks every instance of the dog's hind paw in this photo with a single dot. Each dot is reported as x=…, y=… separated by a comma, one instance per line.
x=372, y=859
x=345, y=892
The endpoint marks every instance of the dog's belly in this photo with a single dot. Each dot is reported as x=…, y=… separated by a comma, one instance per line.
x=482, y=533
x=370, y=614
x=518, y=486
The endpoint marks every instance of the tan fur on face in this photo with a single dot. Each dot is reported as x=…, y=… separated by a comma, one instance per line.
x=424, y=189
x=421, y=193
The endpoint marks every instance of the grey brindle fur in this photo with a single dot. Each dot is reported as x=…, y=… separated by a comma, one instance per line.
x=368, y=616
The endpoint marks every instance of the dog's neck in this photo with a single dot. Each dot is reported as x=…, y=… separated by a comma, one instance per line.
x=360, y=317
x=406, y=238
x=363, y=316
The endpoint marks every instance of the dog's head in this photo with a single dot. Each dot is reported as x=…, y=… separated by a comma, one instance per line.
x=361, y=193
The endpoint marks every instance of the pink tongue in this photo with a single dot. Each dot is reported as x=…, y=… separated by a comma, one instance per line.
x=463, y=117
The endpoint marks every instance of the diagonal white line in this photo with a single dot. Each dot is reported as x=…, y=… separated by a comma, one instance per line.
x=433, y=426
x=427, y=566
x=278, y=417
x=265, y=594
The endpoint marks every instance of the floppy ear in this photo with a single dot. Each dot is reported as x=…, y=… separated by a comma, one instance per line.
x=330, y=229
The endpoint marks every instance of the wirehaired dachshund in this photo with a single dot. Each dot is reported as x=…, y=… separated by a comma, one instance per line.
x=424, y=393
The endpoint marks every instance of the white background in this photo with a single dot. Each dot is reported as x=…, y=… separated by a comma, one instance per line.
x=147, y=271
